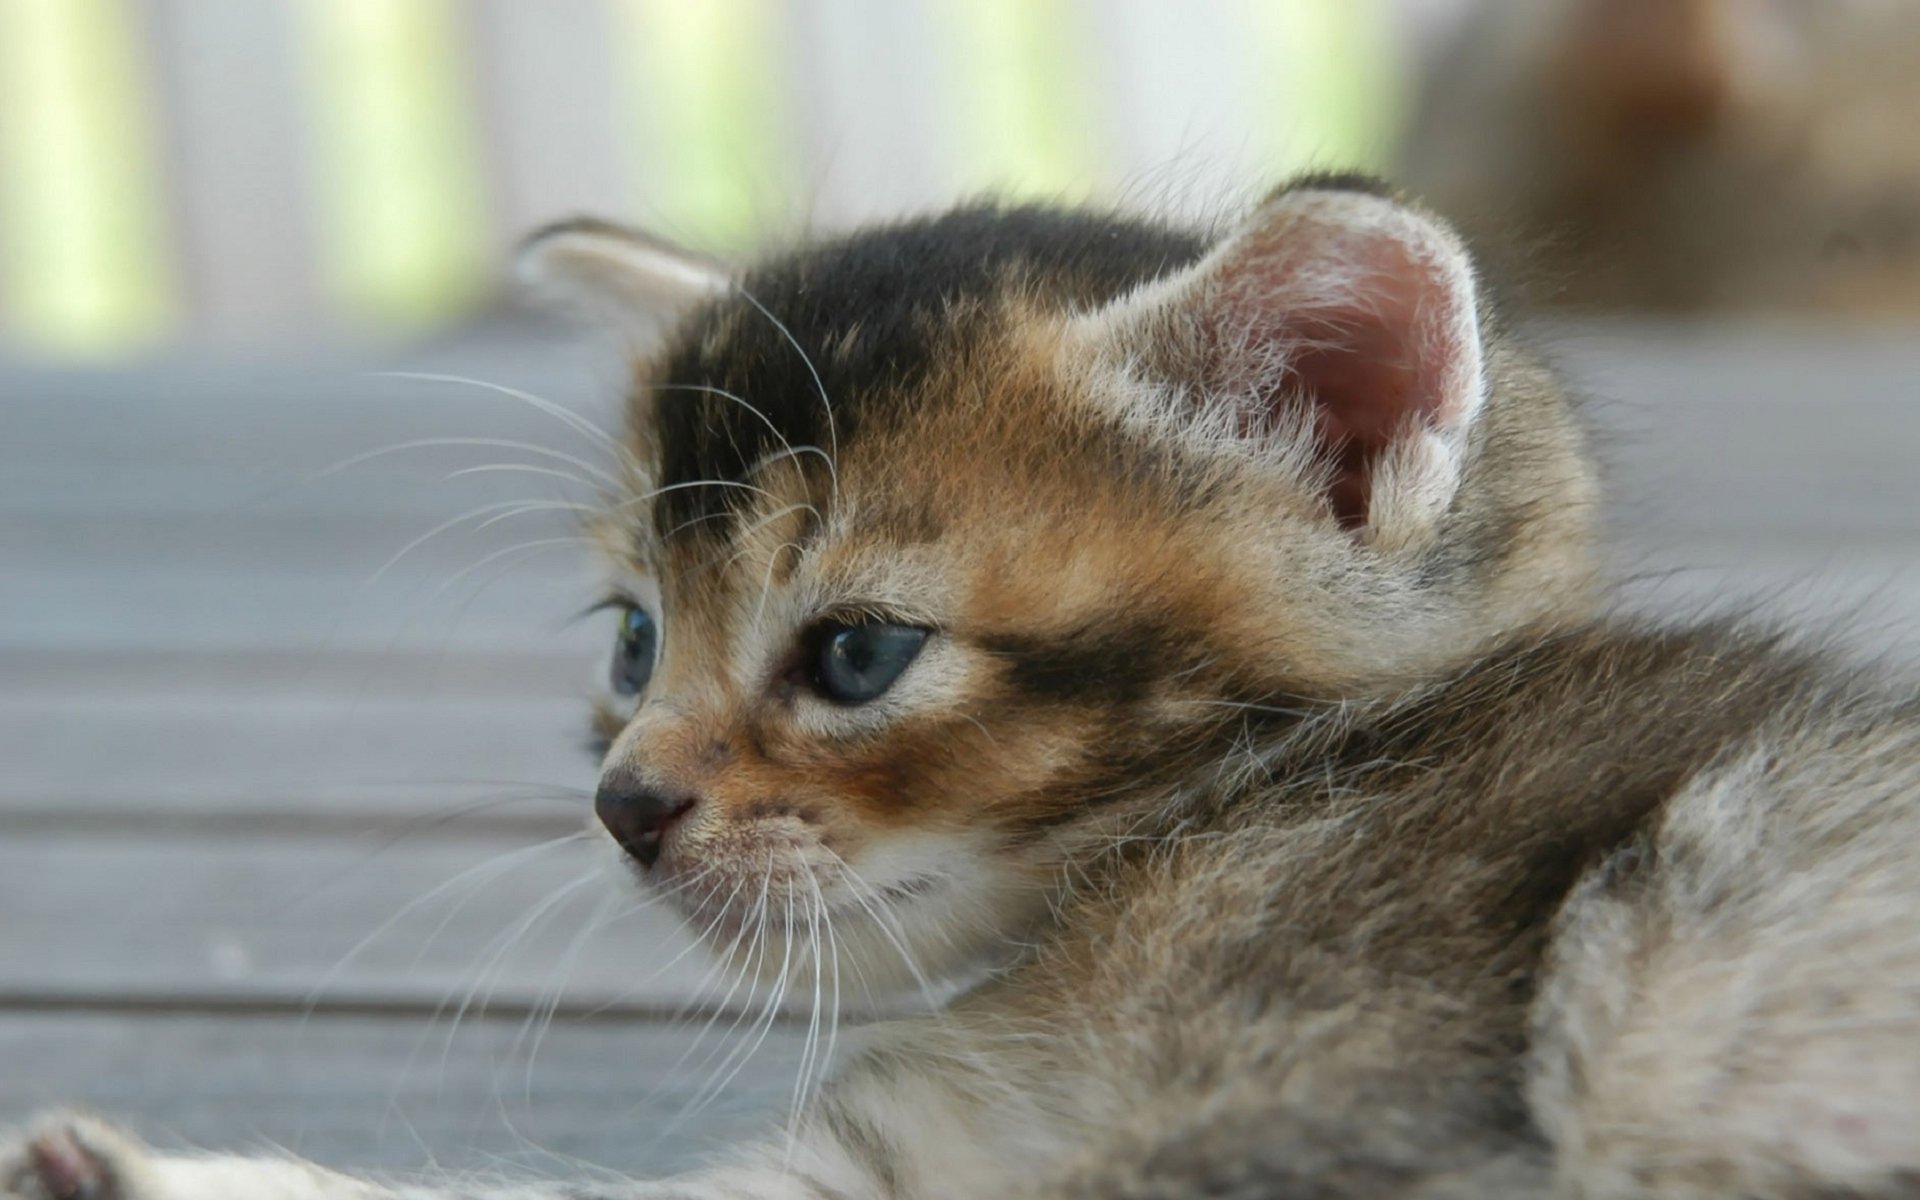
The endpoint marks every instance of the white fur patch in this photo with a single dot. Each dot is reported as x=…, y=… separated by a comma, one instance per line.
x=620, y=277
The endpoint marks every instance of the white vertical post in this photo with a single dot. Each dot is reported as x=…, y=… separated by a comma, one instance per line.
x=1176, y=87
x=233, y=88
x=873, y=81
x=552, y=111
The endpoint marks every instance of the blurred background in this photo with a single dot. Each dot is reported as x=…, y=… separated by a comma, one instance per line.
x=240, y=172
x=292, y=693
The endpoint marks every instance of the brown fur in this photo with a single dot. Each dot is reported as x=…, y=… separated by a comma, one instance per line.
x=1309, y=896
x=1301, y=825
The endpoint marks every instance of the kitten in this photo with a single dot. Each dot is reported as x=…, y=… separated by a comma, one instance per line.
x=1195, y=645
x=1686, y=154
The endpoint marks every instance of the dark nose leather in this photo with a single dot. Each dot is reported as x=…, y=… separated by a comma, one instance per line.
x=638, y=818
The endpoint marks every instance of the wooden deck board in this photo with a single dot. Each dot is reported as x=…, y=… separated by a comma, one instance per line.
x=399, y=1094
x=398, y=737
x=419, y=919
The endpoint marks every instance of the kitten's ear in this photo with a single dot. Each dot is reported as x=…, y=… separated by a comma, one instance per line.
x=1336, y=322
x=614, y=274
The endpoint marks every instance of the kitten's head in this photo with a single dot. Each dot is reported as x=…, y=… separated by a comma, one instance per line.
x=956, y=547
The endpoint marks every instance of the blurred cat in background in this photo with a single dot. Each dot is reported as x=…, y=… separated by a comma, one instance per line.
x=1685, y=155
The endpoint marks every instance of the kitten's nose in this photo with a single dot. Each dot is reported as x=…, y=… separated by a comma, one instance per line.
x=637, y=817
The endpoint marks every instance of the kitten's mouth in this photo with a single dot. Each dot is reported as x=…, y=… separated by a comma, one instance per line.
x=910, y=888
x=881, y=904
x=726, y=908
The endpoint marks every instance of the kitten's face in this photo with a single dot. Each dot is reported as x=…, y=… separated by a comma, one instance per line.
x=928, y=589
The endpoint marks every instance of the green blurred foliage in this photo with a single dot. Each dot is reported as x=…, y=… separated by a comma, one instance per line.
x=404, y=232
x=82, y=215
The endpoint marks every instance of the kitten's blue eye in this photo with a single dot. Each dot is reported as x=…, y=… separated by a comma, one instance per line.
x=634, y=651
x=857, y=663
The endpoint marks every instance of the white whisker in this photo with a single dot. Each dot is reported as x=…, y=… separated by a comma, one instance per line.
x=526, y=507
x=492, y=955
x=541, y=1014
x=558, y=412
x=560, y=456
x=642, y=498
x=501, y=511
x=745, y=1053
x=788, y=450
x=826, y=405
x=754, y=923
x=495, y=865
x=503, y=552
x=520, y=469
x=766, y=580
x=881, y=916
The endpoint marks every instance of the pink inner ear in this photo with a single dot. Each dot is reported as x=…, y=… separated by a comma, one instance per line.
x=1370, y=319
x=1363, y=394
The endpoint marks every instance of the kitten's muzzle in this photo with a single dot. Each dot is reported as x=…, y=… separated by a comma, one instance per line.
x=638, y=817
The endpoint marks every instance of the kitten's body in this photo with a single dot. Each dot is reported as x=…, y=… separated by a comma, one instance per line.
x=1316, y=837
x=1720, y=155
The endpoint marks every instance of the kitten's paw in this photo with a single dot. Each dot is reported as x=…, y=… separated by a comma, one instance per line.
x=74, y=1156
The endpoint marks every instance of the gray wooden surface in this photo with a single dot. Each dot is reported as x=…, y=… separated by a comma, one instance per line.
x=273, y=810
